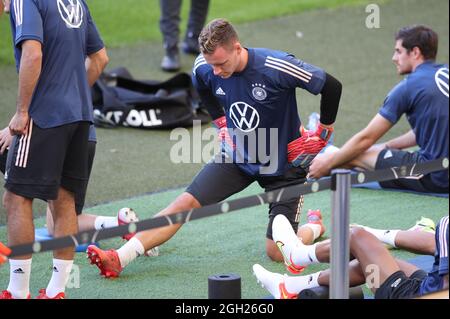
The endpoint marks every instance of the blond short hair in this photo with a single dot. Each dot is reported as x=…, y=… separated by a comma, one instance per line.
x=218, y=32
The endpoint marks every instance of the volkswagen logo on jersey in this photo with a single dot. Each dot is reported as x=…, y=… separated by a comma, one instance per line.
x=71, y=12
x=441, y=78
x=258, y=92
x=244, y=116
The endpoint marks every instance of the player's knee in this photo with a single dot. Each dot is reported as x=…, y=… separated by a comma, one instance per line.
x=8, y=200
x=273, y=252
x=186, y=202
x=358, y=237
x=357, y=233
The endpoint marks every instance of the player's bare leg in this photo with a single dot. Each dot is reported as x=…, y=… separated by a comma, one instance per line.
x=112, y=262
x=20, y=220
x=20, y=231
x=65, y=221
x=85, y=222
x=368, y=159
x=155, y=237
x=419, y=242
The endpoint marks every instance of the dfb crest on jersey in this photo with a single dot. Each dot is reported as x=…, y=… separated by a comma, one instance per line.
x=441, y=78
x=259, y=92
x=71, y=11
x=244, y=116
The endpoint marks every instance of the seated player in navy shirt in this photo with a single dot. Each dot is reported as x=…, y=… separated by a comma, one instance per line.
x=423, y=97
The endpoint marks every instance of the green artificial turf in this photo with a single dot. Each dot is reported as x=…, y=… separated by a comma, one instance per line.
x=228, y=243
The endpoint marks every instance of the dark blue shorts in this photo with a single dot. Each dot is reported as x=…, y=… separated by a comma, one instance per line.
x=218, y=181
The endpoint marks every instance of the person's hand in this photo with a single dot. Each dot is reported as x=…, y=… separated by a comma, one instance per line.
x=320, y=166
x=304, y=149
x=19, y=123
x=223, y=135
x=5, y=139
x=4, y=251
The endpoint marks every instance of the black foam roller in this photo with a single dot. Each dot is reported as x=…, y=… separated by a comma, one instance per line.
x=323, y=292
x=224, y=286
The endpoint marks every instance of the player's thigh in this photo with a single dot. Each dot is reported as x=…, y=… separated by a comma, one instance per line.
x=373, y=256
x=218, y=181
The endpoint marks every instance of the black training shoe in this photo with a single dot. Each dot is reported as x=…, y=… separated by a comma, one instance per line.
x=171, y=63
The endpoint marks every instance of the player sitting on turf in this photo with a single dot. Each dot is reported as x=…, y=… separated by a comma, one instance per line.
x=396, y=278
x=423, y=97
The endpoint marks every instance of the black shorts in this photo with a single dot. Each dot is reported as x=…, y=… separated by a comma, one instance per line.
x=81, y=194
x=401, y=158
x=399, y=286
x=43, y=160
x=218, y=181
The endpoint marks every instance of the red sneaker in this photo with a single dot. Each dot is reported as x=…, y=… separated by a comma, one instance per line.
x=43, y=295
x=107, y=261
x=315, y=217
x=126, y=216
x=7, y=295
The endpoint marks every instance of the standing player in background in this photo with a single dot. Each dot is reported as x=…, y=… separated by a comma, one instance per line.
x=249, y=93
x=4, y=251
x=169, y=24
x=85, y=221
x=48, y=157
x=423, y=97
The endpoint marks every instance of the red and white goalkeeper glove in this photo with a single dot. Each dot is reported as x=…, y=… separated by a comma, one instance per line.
x=4, y=251
x=223, y=135
x=302, y=151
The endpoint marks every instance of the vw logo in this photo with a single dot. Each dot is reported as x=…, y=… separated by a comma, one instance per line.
x=244, y=116
x=71, y=12
x=441, y=78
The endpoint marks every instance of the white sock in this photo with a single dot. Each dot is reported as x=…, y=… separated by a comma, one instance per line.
x=60, y=276
x=387, y=236
x=304, y=254
x=102, y=222
x=292, y=247
x=19, y=278
x=316, y=228
x=298, y=283
x=130, y=251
